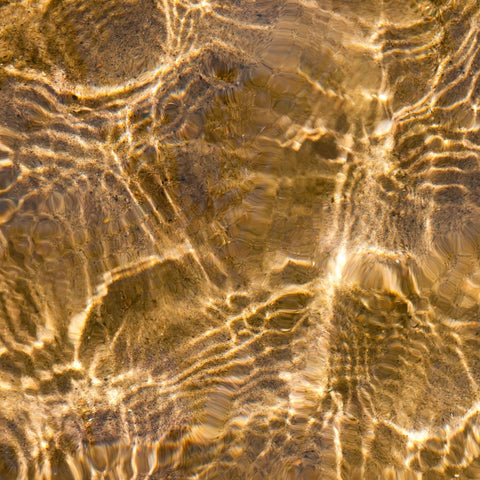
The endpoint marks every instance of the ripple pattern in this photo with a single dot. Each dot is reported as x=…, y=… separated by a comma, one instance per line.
x=239, y=239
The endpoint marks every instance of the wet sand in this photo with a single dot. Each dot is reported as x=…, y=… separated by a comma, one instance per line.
x=239, y=240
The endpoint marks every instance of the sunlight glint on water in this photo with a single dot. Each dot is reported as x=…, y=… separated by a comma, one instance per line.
x=239, y=239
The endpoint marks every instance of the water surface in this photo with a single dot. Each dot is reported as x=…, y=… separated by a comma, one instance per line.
x=239, y=239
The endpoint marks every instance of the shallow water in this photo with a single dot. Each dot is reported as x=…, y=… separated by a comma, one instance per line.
x=239, y=239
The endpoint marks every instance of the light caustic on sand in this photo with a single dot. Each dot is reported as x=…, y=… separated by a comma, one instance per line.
x=239, y=240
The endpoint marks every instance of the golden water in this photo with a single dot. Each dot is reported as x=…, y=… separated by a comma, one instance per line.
x=239, y=239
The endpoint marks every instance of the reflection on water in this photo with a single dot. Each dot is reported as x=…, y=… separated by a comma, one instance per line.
x=239, y=239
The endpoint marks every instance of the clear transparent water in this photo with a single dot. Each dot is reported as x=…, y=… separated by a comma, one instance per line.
x=239, y=239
